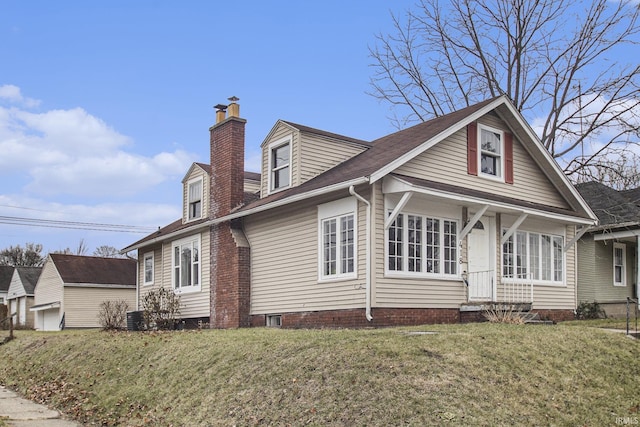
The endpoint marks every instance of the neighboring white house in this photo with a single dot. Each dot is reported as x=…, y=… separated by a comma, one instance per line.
x=20, y=295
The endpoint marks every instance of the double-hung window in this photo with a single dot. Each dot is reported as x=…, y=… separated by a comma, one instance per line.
x=195, y=199
x=337, y=239
x=619, y=264
x=490, y=152
x=280, y=164
x=148, y=268
x=186, y=265
x=533, y=256
x=422, y=245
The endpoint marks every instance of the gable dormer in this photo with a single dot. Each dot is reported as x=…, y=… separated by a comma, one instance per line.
x=293, y=154
x=195, y=193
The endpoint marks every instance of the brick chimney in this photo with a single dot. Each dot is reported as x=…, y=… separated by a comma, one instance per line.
x=227, y=159
x=230, y=255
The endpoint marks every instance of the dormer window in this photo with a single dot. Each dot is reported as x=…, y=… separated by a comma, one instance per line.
x=280, y=165
x=491, y=151
x=195, y=199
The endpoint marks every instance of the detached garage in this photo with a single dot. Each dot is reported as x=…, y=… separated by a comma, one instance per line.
x=71, y=289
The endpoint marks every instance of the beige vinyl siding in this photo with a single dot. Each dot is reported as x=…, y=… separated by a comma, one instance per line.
x=446, y=162
x=82, y=304
x=279, y=132
x=284, y=263
x=192, y=304
x=196, y=173
x=319, y=154
x=416, y=292
x=49, y=287
x=251, y=186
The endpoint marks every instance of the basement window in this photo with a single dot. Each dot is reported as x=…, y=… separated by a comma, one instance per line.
x=274, y=321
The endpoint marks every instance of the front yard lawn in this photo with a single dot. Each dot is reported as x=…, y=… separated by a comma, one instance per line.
x=472, y=374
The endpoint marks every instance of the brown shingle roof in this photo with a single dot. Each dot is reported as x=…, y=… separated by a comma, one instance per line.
x=382, y=152
x=95, y=270
x=307, y=129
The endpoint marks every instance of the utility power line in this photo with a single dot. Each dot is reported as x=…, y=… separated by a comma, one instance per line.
x=48, y=223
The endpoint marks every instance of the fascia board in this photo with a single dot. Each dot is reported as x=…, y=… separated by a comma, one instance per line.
x=555, y=167
x=500, y=205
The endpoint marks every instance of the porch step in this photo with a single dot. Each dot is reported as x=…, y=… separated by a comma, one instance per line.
x=502, y=306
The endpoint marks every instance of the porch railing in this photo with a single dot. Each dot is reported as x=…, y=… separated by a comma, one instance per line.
x=480, y=288
x=517, y=289
x=480, y=285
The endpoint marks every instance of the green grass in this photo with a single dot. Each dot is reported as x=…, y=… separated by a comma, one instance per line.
x=475, y=374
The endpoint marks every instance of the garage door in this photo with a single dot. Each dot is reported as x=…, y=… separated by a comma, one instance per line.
x=50, y=319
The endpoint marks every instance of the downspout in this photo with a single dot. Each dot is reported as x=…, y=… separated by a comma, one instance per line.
x=352, y=191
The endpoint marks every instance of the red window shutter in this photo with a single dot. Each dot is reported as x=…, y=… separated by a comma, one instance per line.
x=472, y=149
x=508, y=158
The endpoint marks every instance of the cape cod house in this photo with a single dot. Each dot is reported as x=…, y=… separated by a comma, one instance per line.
x=418, y=226
x=608, y=253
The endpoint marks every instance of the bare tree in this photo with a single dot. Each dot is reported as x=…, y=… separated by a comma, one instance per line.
x=619, y=171
x=555, y=60
x=80, y=250
x=17, y=256
x=107, y=251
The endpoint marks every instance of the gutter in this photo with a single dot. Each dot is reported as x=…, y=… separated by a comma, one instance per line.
x=352, y=191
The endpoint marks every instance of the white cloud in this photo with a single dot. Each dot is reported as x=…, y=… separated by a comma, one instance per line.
x=12, y=94
x=74, y=153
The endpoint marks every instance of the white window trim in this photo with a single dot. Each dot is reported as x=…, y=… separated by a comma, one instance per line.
x=405, y=259
x=274, y=145
x=497, y=178
x=336, y=210
x=622, y=246
x=537, y=282
x=186, y=289
x=189, y=183
x=144, y=267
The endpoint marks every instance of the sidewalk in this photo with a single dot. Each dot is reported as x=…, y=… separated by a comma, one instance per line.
x=19, y=412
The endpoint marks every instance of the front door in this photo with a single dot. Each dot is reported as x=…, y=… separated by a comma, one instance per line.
x=481, y=255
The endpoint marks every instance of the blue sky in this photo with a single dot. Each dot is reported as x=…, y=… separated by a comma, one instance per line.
x=104, y=105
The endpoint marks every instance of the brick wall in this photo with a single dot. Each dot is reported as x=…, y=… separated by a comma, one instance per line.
x=355, y=318
x=389, y=317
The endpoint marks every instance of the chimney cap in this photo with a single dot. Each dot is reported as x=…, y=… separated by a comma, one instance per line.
x=234, y=99
x=220, y=107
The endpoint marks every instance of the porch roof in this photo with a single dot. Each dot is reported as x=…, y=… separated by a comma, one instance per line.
x=396, y=183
